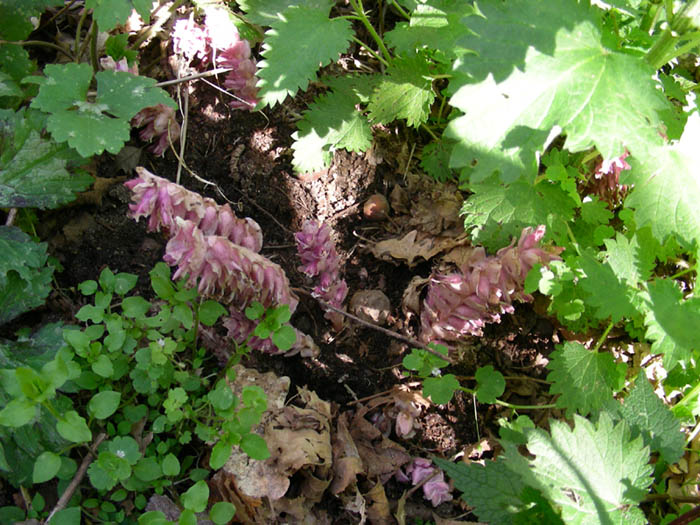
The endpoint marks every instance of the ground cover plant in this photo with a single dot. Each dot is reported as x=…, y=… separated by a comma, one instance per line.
x=540, y=162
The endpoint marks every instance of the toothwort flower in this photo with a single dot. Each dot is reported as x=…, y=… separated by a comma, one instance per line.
x=436, y=489
x=320, y=259
x=463, y=302
x=160, y=123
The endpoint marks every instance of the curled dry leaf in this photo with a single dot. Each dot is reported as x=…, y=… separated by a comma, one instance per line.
x=371, y=305
x=415, y=245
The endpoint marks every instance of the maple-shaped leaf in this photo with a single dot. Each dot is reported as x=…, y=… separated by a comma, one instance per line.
x=667, y=188
x=610, y=296
x=649, y=416
x=16, y=16
x=499, y=212
x=584, y=379
x=333, y=122
x=552, y=72
x=436, y=24
x=291, y=61
x=404, y=93
x=92, y=127
x=111, y=13
x=33, y=169
x=594, y=472
x=670, y=321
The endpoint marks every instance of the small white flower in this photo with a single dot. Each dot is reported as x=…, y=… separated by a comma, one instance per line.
x=436, y=372
x=120, y=453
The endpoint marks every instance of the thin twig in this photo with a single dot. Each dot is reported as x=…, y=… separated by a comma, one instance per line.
x=11, y=216
x=195, y=76
x=385, y=331
x=71, y=488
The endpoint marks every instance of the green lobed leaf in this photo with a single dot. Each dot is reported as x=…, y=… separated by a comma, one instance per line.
x=668, y=321
x=440, y=389
x=16, y=16
x=405, y=92
x=552, y=72
x=111, y=13
x=647, y=415
x=584, y=379
x=595, y=473
x=286, y=68
x=93, y=127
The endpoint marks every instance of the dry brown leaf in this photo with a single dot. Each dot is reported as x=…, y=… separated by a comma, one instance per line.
x=381, y=456
x=378, y=511
x=371, y=305
x=347, y=463
x=415, y=244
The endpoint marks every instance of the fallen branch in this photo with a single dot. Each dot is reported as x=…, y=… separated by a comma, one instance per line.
x=390, y=333
x=80, y=473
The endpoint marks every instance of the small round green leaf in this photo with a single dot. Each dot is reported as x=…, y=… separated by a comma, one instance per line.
x=170, y=465
x=73, y=428
x=210, y=311
x=104, y=404
x=197, y=497
x=88, y=287
x=440, y=389
x=187, y=517
x=490, y=384
x=255, y=446
x=135, y=307
x=153, y=517
x=46, y=467
x=148, y=469
x=124, y=282
x=222, y=512
x=284, y=338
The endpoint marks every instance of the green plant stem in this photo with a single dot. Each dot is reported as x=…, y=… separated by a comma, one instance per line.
x=691, y=395
x=39, y=43
x=78, y=30
x=400, y=9
x=683, y=272
x=360, y=11
x=510, y=405
x=85, y=43
x=650, y=17
x=370, y=51
x=665, y=47
x=603, y=337
x=429, y=131
x=93, y=48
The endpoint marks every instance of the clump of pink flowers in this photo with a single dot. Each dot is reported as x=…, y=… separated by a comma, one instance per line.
x=218, y=42
x=320, y=259
x=216, y=251
x=605, y=182
x=436, y=489
x=463, y=302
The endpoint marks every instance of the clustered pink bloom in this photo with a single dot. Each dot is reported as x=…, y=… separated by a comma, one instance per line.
x=320, y=259
x=216, y=251
x=161, y=201
x=606, y=179
x=463, y=302
x=218, y=41
x=109, y=64
x=160, y=123
x=436, y=489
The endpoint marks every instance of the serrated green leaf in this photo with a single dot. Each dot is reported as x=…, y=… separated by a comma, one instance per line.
x=265, y=12
x=553, y=70
x=404, y=93
x=493, y=489
x=611, y=298
x=629, y=260
x=584, y=379
x=595, y=473
x=25, y=281
x=437, y=24
x=647, y=415
x=667, y=188
x=286, y=69
x=333, y=122
x=33, y=169
x=669, y=321
x=498, y=213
